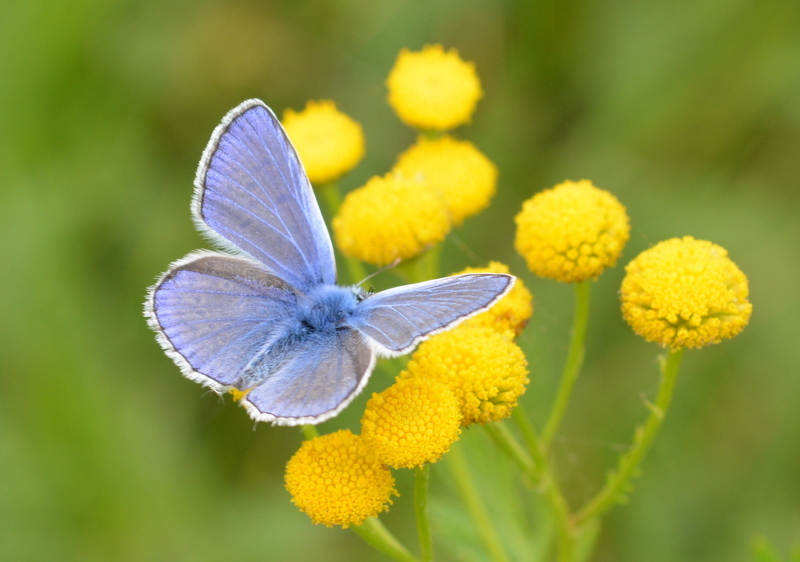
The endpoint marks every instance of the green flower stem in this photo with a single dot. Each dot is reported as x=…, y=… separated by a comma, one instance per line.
x=586, y=540
x=421, y=476
x=568, y=534
x=355, y=270
x=378, y=537
x=309, y=431
x=458, y=467
x=431, y=259
x=573, y=364
x=618, y=482
x=423, y=267
x=331, y=196
x=504, y=439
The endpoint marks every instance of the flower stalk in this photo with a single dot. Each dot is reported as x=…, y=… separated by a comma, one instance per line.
x=548, y=487
x=469, y=495
x=421, y=477
x=378, y=537
x=573, y=363
x=617, y=484
x=309, y=431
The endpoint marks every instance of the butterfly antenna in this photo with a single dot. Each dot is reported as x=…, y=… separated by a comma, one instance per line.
x=381, y=270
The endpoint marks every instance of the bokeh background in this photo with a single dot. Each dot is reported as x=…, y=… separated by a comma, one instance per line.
x=688, y=111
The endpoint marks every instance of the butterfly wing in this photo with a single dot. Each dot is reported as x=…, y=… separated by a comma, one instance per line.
x=398, y=319
x=313, y=381
x=253, y=196
x=214, y=313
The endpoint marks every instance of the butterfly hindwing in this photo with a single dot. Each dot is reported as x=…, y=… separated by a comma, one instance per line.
x=252, y=191
x=318, y=378
x=214, y=313
x=397, y=319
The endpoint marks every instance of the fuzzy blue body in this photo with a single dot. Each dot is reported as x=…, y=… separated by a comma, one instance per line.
x=313, y=321
x=327, y=306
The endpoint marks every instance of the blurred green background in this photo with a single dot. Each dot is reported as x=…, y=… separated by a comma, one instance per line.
x=688, y=111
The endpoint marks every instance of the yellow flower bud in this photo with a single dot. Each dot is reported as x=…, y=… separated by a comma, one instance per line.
x=388, y=218
x=336, y=479
x=412, y=422
x=485, y=370
x=328, y=142
x=685, y=293
x=433, y=89
x=571, y=232
x=511, y=313
x=465, y=178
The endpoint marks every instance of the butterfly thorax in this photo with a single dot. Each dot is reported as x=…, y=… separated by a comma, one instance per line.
x=327, y=307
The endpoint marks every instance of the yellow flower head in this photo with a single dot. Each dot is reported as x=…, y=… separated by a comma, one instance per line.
x=485, y=370
x=685, y=293
x=571, y=232
x=433, y=89
x=337, y=480
x=328, y=142
x=388, y=218
x=460, y=172
x=511, y=313
x=412, y=422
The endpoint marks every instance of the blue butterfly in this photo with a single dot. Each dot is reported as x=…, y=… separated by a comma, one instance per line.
x=267, y=318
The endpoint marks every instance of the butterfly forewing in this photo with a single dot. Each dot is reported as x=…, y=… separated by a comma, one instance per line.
x=397, y=319
x=252, y=191
x=214, y=313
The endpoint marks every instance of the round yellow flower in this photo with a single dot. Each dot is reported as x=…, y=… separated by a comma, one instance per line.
x=460, y=172
x=412, y=422
x=485, y=370
x=388, y=218
x=685, y=293
x=328, y=142
x=336, y=479
x=511, y=313
x=433, y=89
x=571, y=232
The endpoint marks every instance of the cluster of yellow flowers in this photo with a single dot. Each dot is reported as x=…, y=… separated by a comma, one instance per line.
x=681, y=293
x=435, y=185
x=472, y=374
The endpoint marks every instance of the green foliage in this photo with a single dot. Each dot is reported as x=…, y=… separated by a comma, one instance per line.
x=763, y=552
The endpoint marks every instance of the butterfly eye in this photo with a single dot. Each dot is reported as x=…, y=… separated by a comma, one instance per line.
x=361, y=294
